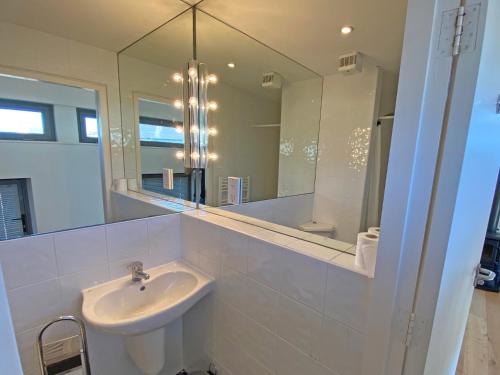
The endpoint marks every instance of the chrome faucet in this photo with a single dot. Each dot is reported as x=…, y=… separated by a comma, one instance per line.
x=137, y=271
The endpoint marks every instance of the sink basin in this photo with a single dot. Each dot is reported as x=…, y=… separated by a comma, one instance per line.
x=131, y=308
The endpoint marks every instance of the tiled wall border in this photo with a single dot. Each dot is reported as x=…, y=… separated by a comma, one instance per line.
x=281, y=307
x=44, y=274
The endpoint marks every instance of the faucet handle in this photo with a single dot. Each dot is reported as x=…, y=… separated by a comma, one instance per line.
x=135, y=266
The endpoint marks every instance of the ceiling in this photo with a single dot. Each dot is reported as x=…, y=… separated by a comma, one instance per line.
x=252, y=58
x=308, y=32
x=109, y=24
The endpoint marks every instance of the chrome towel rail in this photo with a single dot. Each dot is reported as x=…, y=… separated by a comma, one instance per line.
x=83, y=343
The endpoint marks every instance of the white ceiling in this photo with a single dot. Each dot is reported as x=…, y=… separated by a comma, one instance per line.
x=109, y=24
x=306, y=31
x=309, y=31
x=171, y=46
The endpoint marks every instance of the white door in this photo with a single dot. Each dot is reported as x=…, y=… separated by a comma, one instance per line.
x=468, y=168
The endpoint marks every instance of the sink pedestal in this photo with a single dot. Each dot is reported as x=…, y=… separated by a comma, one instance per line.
x=147, y=351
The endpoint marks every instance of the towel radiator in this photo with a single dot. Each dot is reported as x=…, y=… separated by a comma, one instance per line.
x=83, y=343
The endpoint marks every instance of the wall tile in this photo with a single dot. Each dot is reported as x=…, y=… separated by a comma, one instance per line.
x=340, y=348
x=211, y=266
x=35, y=304
x=80, y=249
x=127, y=239
x=303, y=279
x=28, y=260
x=298, y=324
x=164, y=239
x=261, y=304
x=264, y=263
x=234, y=250
x=72, y=286
x=231, y=287
x=347, y=297
x=291, y=361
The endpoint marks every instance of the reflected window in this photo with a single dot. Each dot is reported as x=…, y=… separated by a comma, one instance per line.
x=160, y=132
x=87, y=125
x=26, y=121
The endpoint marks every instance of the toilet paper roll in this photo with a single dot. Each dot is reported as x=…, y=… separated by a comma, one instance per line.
x=375, y=230
x=366, y=251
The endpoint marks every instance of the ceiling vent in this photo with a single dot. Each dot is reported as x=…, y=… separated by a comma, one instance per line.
x=272, y=80
x=351, y=63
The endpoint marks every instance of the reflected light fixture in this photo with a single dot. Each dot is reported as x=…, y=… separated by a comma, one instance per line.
x=195, y=129
x=179, y=129
x=179, y=155
x=195, y=155
x=213, y=156
x=212, y=131
x=178, y=104
x=231, y=65
x=212, y=78
x=345, y=30
x=177, y=77
x=192, y=72
x=193, y=101
x=213, y=106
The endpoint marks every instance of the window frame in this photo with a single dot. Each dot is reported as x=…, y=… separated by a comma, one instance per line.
x=48, y=122
x=158, y=122
x=81, y=114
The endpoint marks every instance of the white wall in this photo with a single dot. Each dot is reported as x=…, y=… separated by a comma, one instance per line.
x=9, y=355
x=34, y=50
x=300, y=120
x=349, y=110
x=44, y=276
x=244, y=150
x=65, y=176
x=289, y=211
x=275, y=311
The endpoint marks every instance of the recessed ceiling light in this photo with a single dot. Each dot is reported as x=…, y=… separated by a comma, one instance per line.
x=346, y=29
x=231, y=65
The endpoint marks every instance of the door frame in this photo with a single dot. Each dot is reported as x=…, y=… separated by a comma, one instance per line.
x=418, y=123
x=414, y=175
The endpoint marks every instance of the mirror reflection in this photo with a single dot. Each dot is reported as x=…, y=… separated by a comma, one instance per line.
x=50, y=169
x=292, y=151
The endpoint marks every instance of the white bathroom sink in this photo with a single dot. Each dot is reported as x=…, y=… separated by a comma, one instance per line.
x=131, y=308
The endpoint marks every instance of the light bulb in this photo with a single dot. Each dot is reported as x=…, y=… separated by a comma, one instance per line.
x=195, y=129
x=179, y=129
x=178, y=104
x=346, y=29
x=213, y=106
x=195, y=155
x=231, y=65
x=212, y=131
x=212, y=78
x=179, y=155
x=192, y=72
x=177, y=77
x=213, y=156
x=193, y=101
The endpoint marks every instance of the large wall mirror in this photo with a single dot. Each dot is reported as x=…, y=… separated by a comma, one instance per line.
x=51, y=170
x=292, y=151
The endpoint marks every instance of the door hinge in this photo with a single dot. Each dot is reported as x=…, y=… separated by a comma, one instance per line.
x=409, y=331
x=458, y=30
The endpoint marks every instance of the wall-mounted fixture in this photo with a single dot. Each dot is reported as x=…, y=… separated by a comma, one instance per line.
x=351, y=62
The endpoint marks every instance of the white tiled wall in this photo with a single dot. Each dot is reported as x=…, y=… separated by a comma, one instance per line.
x=45, y=274
x=278, y=308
